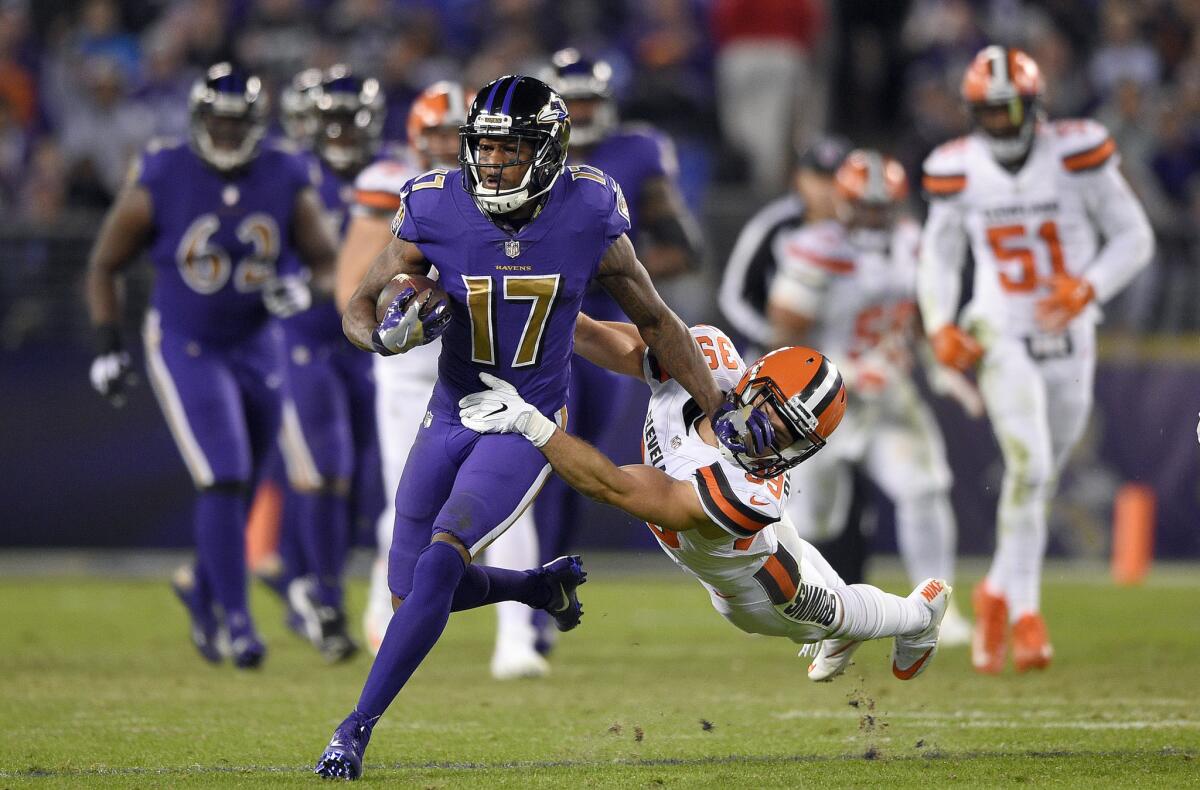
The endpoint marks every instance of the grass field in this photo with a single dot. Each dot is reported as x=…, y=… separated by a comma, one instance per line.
x=98, y=687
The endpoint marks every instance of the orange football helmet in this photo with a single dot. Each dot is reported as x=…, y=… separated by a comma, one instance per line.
x=441, y=108
x=1003, y=88
x=800, y=387
x=869, y=189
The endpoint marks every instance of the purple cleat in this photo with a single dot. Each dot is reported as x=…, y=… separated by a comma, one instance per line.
x=564, y=575
x=206, y=629
x=344, y=755
x=247, y=650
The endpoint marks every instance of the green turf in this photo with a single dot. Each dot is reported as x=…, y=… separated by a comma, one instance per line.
x=99, y=687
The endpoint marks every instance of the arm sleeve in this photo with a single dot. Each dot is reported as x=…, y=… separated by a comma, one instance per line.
x=939, y=267
x=1128, y=238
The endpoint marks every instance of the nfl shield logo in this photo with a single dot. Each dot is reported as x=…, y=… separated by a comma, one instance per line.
x=512, y=248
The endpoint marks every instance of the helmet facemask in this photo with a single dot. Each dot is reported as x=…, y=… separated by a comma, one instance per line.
x=542, y=163
x=226, y=128
x=1012, y=144
x=802, y=439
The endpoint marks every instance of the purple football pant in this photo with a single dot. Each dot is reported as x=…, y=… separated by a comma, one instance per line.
x=470, y=485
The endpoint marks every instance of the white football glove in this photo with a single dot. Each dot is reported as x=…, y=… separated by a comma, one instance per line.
x=286, y=296
x=112, y=374
x=500, y=409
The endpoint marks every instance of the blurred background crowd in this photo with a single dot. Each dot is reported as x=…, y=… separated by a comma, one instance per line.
x=740, y=85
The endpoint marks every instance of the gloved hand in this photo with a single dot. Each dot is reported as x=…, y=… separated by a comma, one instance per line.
x=499, y=409
x=1068, y=297
x=286, y=296
x=956, y=349
x=409, y=323
x=741, y=431
x=112, y=369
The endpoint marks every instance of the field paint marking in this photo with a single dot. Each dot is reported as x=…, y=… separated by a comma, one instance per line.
x=981, y=721
x=661, y=762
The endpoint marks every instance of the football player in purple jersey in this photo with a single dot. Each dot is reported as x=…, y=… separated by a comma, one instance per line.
x=328, y=433
x=215, y=214
x=516, y=236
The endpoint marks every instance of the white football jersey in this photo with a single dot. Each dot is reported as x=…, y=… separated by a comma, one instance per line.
x=862, y=301
x=377, y=193
x=1066, y=211
x=744, y=507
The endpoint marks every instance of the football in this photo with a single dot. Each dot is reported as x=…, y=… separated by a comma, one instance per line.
x=420, y=283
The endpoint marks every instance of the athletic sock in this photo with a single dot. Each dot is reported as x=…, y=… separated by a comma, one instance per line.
x=221, y=552
x=482, y=585
x=870, y=613
x=415, y=626
x=323, y=522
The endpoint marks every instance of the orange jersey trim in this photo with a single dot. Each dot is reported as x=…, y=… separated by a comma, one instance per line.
x=380, y=200
x=944, y=185
x=1091, y=158
x=835, y=265
x=719, y=501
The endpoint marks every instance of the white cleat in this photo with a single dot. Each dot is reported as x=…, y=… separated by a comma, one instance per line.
x=956, y=629
x=517, y=661
x=912, y=654
x=831, y=660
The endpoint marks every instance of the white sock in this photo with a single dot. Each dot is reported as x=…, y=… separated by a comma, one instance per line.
x=925, y=532
x=1016, y=569
x=870, y=613
x=516, y=549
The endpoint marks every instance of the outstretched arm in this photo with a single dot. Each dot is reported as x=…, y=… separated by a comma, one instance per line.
x=613, y=345
x=358, y=322
x=624, y=277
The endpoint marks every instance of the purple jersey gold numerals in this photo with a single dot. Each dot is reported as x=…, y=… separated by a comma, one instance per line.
x=515, y=297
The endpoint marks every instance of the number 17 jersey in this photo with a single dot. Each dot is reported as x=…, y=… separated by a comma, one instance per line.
x=515, y=296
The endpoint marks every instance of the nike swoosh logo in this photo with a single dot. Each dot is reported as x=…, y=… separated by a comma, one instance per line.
x=565, y=600
x=503, y=407
x=907, y=674
x=757, y=500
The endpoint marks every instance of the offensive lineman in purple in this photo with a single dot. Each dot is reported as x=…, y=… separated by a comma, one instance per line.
x=215, y=216
x=515, y=240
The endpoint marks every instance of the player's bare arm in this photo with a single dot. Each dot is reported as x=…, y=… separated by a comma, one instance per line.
x=670, y=247
x=624, y=277
x=358, y=322
x=612, y=345
x=121, y=237
x=366, y=237
x=313, y=240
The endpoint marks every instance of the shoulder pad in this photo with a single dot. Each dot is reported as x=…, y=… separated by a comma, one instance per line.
x=944, y=173
x=384, y=175
x=1083, y=144
x=822, y=245
x=732, y=502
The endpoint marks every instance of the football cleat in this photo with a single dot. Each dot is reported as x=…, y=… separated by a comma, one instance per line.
x=912, y=654
x=1031, y=643
x=206, y=629
x=344, y=755
x=246, y=649
x=989, y=639
x=513, y=660
x=564, y=575
x=956, y=629
x=831, y=659
x=324, y=626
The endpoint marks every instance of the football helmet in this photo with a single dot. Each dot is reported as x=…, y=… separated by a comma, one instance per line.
x=228, y=117
x=1004, y=80
x=585, y=86
x=295, y=107
x=800, y=387
x=440, y=107
x=348, y=113
x=869, y=188
x=514, y=108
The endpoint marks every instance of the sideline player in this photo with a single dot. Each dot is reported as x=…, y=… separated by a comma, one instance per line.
x=848, y=286
x=405, y=382
x=328, y=433
x=215, y=214
x=516, y=237
x=1055, y=232
x=607, y=409
x=721, y=515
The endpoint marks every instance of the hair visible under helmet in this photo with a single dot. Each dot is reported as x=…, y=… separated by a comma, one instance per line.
x=1005, y=77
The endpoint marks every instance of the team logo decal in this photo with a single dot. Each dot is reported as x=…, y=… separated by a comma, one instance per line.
x=676, y=442
x=512, y=248
x=230, y=195
x=398, y=220
x=622, y=206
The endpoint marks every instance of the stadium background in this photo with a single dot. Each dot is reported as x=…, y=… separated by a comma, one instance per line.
x=85, y=84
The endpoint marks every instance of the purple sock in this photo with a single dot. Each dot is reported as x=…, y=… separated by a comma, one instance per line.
x=415, y=627
x=221, y=552
x=322, y=521
x=482, y=585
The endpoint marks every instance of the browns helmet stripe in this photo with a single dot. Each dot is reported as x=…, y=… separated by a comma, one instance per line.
x=815, y=383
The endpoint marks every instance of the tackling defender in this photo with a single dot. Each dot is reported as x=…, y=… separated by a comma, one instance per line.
x=719, y=513
x=1055, y=231
x=215, y=214
x=516, y=238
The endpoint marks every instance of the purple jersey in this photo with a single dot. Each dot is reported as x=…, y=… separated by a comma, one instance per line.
x=515, y=296
x=216, y=239
x=631, y=155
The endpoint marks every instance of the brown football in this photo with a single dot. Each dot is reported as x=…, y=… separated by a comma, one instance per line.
x=419, y=282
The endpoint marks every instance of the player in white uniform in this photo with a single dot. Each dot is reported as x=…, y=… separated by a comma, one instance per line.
x=1055, y=231
x=848, y=286
x=404, y=382
x=720, y=515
